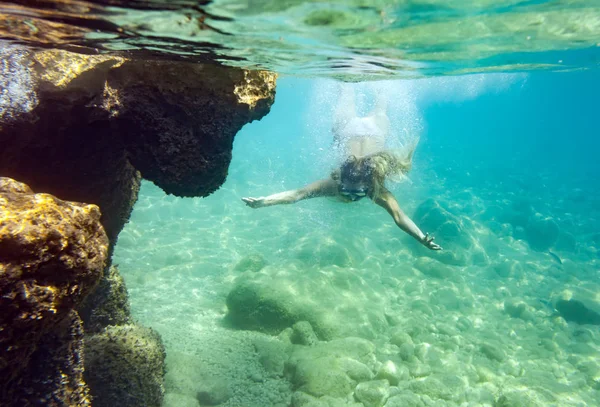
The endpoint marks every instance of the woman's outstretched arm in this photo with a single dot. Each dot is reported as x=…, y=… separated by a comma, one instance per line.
x=324, y=187
x=387, y=201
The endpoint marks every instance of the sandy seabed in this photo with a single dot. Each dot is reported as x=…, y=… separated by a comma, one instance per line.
x=383, y=321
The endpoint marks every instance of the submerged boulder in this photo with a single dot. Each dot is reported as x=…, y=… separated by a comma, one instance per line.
x=521, y=398
x=331, y=368
x=213, y=392
x=578, y=304
x=519, y=309
x=91, y=123
x=373, y=393
x=108, y=304
x=125, y=366
x=54, y=374
x=63, y=143
x=272, y=300
x=86, y=128
x=52, y=254
x=576, y=311
x=178, y=120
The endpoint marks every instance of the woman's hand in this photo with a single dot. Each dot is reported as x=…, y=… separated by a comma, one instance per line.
x=428, y=242
x=254, y=202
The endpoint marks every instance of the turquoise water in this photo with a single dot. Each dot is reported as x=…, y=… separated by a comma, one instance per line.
x=326, y=304
x=505, y=177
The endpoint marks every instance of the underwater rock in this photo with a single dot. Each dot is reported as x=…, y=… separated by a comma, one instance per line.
x=254, y=306
x=273, y=300
x=439, y=386
x=252, y=262
x=213, y=392
x=82, y=127
x=392, y=373
x=301, y=399
x=373, y=393
x=178, y=119
x=446, y=329
x=340, y=402
x=303, y=334
x=405, y=399
x=576, y=311
x=541, y=232
x=591, y=369
x=124, y=366
x=331, y=368
x=579, y=304
x=272, y=355
x=518, y=309
x=451, y=232
x=54, y=375
x=107, y=305
x=418, y=370
x=93, y=121
x=52, y=255
x=406, y=351
x=493, y=351
x=321, y=377
x=452, y=298
x=517, y=398
x=399, y=337
x=64, y=144
x=516, y=214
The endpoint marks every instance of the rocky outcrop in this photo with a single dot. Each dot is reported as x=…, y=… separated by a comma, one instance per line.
x=63, y=144
x=179, y=134
x=125, y=366
x=52, y=254
x=54, y=375
x=107, y=305
x=83, y=127
x=87, y=128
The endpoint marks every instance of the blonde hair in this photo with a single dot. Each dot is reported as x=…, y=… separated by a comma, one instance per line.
x=377, y=167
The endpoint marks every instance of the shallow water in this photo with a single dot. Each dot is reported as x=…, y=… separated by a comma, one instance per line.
x=351, y=39
x=506, y=172
x=499, y=153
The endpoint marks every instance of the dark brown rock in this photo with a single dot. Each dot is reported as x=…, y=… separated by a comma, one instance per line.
x=54, y=375
x=63, y=144
x=108, y=304
x=52, y=254
x=83, y=127
x=92, y=121
x=125, y=366
x=178, y=120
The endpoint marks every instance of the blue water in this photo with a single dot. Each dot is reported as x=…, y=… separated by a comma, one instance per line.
x=511, y=160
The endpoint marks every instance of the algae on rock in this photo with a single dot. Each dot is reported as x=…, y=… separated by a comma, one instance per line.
x=52, y=255
x=173, y=121
x=125, y=366
x=108, y=304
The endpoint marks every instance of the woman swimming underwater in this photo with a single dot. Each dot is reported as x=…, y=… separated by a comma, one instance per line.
x=365, y=169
